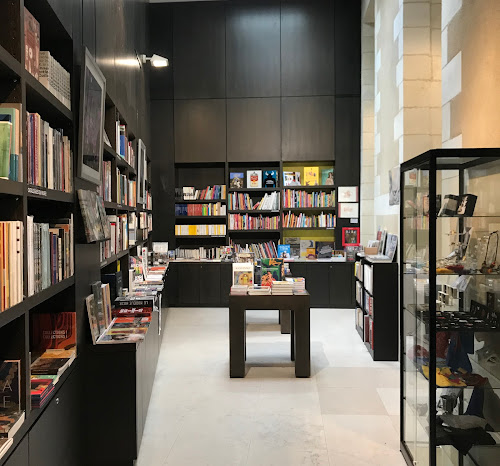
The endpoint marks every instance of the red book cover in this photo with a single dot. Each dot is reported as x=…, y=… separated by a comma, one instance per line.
x=55, y=330
x=31, y=43
x=132, y=312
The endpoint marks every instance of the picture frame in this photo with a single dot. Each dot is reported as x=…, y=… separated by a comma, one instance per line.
x=141, y=172
x=350, y=236
x=92, y=112
x=349, y=210
x=347, y=194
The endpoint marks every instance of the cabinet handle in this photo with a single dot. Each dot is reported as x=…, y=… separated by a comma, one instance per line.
x=57, y=400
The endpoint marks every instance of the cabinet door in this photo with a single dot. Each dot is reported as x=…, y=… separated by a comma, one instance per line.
x=317, y=284
x=341, y=281
x=209, y=285
x=170, y=297
x=225, y=283
x=55, y=438
x=188, y=279
x=20, y=455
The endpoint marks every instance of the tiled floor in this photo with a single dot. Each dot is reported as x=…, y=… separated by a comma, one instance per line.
x=346, y=414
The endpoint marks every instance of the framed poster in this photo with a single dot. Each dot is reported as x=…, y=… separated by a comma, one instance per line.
x=91, y=129
x=141, y=172
x=347, y=194
x=349, y=210
x=350, y=236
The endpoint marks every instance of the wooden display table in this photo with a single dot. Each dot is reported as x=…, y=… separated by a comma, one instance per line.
x=300, y=329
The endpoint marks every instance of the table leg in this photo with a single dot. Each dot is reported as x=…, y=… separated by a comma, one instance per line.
x=285, y=321
x=237, y=344
x=292, y=335
x=303, y=342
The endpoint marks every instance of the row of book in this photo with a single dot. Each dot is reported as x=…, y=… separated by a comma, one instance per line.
x=290, y=220
x=50, y=253
x=11, y=263
x=119, y=237
x=95, y=221
x=198, y=253
x=11, y=141
x=243, y=201
x=255, y=179
x=126, y=190
x=310, y=249
x=251, y=222
x=124, y=147
x=200, y=210
x=49, y=155
x=149, y=201
x=189, y=193
x=297, y=198
x=42, y=65
x=260, y=250
x=200, y=230
x=106, y=185
x=313, y=176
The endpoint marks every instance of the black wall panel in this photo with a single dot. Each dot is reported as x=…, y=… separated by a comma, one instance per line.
x=253, y=49
x=88, y=25
x=64, y=11
x=20, y=457
x=253, y=129
x=308, y=125
x=307, y=48
x=199, y=50
x=348, y=52
x=200, y=130
x=105, y=44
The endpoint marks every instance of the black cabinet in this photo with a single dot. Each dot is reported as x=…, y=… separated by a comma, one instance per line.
x=171, y=289
x=20, y=457
x=55, y=438
x=341, y=285
x=308, y=128
x=188, y=284
x=226, y=280
x=253, y=49
x=253, y=130
x=210, y=276
x=199, y=50
x=307, y=47
x=317, y=283
x=200, y=130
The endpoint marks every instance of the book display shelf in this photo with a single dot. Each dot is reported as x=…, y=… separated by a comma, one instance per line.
x=29, y=204
x=376, y=318
x=449, y=305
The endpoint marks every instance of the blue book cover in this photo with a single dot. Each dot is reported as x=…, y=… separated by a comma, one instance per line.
x=122, y=146
x=270, y=178
x=284, y=251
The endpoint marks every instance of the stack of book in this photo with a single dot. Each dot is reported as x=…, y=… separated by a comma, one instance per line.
x=149, y=201
x=282, y=288
x=11, y=264
x=123, y=146
x=299, y=284
x=50, y=253
x=11, y=141
x=52, y=364
x=40, y=390
x=49, y=155
x=239, y=290
x=257, y=290
x=55, y=78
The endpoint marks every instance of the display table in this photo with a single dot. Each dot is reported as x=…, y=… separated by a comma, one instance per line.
x=299, y=308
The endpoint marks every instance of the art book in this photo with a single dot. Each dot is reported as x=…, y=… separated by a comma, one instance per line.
x=327, y=176
x=10, y=422
x=307, y=249
x=270, y=178
x=10, y=386
x=324, y=249
x=254, y=179
x=243, y=274
x=294, y=243
x=236, y=180
x=291, y=178
x=311, y=176
x=284, y=251
x=54, y=330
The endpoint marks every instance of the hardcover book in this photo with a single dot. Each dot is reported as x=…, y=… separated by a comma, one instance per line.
x=243, y=274
x=324, y=249
x=270, y=178
x=10, y=386
x=5, y=444
x=294, y=243
x=254, y=179
x=31, y=43
x=284, y=251
x=10, y=422
x=327, y=176
x=291, y=178
x=311, y=176
x=307, y=246
x=5, y=145
x=52, y=366
x=54, y=330
x=236, y=180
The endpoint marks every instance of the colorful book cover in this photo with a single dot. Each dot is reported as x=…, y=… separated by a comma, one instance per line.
x=270, y=178
x=5, y=145
x=311, y=176
x=54, y=330
x=284, y=251
x=294, y=243
x=236, y=180
x=291, y=178
x=31, y=43
x=305, y=246
x=254, y=179
x=327, y=176
x=10, y=385
x=271, y=263
x=10, y=421
x=51, y=366
x=269, y=275
x=243, y=274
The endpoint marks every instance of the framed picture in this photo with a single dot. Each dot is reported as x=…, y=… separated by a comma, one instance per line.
x=91, y=130
x=348, y=194
x=141, y=172
x=350, y=236
x=348, y=210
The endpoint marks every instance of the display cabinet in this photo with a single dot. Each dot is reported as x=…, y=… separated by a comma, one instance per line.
x=450, y=305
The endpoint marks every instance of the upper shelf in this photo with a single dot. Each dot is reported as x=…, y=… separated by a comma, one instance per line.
x=120, y=161
x=311, y=188
x=9, y=66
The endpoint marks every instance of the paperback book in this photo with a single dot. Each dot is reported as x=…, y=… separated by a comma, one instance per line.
x=243, y=274
x=254, y=179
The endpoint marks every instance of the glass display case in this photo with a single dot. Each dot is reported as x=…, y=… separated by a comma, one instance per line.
x=450, y=308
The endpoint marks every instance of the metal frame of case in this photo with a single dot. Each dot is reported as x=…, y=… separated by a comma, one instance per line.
x=431, y=161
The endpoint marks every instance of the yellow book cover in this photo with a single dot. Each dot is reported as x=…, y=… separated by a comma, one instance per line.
x=192, y=229
x=311, y=176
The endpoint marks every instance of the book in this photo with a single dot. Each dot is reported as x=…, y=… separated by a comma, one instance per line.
x=55, y=78
x=41, y=388
x=52, y=366
x=294, y=243
x=243, y=274
x=307, y=249
x=11, y=263
x=324, y=249
x=347, y=194
x=10, y=385
x=254, y=178
x=311, y=176
x=31, y=43
x=54, y=330
x=291, y=178
x=10, y=422
x=327, y=176
x=115, y=281
x=270, y=178
x=284, y=251
x=121, y=338
x=97, y=224
x=5, y=144
x=15, y=112
x=5, y=444
x=236, y=180
x=349, y=210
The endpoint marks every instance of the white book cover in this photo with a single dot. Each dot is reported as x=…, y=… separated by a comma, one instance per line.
x=254, y=178
x=31, y=256
x=243, y=273
x=50, y=159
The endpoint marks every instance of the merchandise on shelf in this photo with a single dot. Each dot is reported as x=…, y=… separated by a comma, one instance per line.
x=261, y=250
x=105, y=189
x=11, y=263
x=31, y=43
x=296, y=198
x=119, y=240
x=251, y=222
x=189, y=193
x=200, y=230
x=200, y=210
x=198, y=253
x=11, y=141
x=290, y=220
x=55, y=78
x=243, y=201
